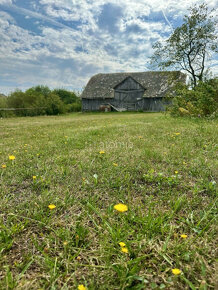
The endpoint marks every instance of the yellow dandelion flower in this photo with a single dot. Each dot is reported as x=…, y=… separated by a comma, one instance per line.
x=176, y=271
x=183, y=236
x=115, y=164
x=34, y=177
x=52, y=206
x=4, y=166
x=176, y=172
x=121, y=207
x=82, y=287
x=122, y=244
x=124, y=250
x=101, y=152
x=177, y=134
x=65, y=243
x=11, y=157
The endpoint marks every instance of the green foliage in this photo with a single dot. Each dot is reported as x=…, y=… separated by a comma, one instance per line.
x=190, y=45
x=40, y=100
x=66, y=96
x=200, y=101
x=3, y=104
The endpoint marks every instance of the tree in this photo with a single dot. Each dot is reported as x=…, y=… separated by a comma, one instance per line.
x=66, y=96
x=191, y=45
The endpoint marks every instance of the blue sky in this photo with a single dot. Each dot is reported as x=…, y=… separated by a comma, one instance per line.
x=62, y=43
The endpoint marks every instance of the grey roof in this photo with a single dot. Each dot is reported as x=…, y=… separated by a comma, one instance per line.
x=154, y=82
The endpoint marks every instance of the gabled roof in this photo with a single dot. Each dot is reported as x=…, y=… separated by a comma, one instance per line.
x=155, y=82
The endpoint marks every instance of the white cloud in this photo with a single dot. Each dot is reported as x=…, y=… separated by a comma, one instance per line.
x=66, y=55
x=5, y=2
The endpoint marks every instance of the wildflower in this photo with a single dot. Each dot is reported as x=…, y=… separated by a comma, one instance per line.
x=184, y=163
x=140, y=137
x=82, y=287
x=183, y=236
x=121, y=207
x=176, y=172
x=101, y=152
x=115, y=164
x=65, y=243
x=176, y=271
x=51, y=206
x=34, y=177
x=11, y=157
x=122, y=244
x=124, y=250
x=177, y=134
x=4, y=166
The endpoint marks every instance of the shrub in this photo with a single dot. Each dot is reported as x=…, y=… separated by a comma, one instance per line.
x=66, y=96
x=4, y=105
x=70, y=99
x=200, y=101
x=40, y=100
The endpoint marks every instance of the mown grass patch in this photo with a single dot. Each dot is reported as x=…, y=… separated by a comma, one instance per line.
x=163, y=169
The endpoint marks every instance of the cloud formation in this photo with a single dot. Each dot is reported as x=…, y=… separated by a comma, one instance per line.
x=62, y=43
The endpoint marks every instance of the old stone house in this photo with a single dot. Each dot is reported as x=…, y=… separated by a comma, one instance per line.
x=142, y=91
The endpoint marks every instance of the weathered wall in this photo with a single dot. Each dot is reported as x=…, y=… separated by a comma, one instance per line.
x=146, y=104
x=128, y=92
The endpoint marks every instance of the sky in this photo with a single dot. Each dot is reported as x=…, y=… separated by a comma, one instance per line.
x=62, y=43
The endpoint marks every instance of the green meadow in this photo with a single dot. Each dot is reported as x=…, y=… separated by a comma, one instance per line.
x=60, y=226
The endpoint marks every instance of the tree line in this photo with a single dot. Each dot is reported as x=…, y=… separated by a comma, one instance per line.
x=39, y=100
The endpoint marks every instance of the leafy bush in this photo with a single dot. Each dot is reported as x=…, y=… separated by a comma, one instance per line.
x=40, y=100
x=200, y=101
x=4, y=105
x=66, y=96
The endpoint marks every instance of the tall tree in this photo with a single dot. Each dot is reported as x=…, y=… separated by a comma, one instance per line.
x=191, y=45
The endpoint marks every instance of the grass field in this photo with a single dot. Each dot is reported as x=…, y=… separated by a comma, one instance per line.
x=163, y=169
